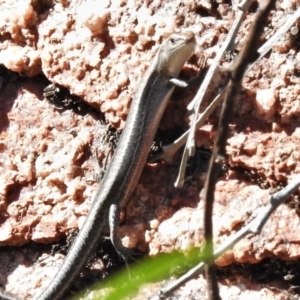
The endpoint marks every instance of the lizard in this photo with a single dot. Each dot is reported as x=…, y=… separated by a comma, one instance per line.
x=146, y=110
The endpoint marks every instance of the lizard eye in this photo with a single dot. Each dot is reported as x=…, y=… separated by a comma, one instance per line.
x=172, y=40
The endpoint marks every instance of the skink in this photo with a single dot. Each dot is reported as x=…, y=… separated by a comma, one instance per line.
x=129, y=159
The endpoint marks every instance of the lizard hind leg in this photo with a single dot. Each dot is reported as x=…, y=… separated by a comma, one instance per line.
x=127, y=254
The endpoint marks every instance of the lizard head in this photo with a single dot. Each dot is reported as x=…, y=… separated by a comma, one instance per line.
x=174, y=52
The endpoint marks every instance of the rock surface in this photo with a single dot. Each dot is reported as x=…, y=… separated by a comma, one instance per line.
x=98, y=50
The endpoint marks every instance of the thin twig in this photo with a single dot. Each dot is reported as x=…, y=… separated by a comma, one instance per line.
x=168, y=151
x=189, y=149
x=196, y=103
x=276, y=199
x=228, y=44
x=277, y=36
x=247, y=55
x=254, y=227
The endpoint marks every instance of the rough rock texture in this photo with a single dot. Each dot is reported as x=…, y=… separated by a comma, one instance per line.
x=98, y=50
x=42, y=166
